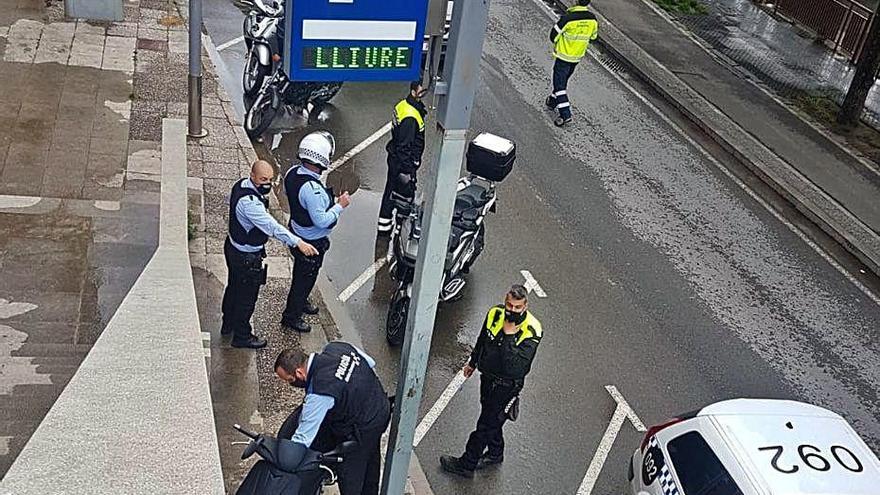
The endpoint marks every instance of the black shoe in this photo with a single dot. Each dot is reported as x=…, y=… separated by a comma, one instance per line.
x=299, y=325
x=549, y=103
x=453, y=465
x=310, y=309
x=487, y=460
x=253, y=342
x=559, y=122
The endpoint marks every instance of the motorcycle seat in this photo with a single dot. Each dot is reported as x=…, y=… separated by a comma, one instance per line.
x=471, y=197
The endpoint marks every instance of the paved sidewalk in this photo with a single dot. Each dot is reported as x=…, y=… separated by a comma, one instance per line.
x=824, y=179
x=779, y=54
x=78, y=199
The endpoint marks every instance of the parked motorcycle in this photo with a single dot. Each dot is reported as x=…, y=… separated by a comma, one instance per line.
x=262, y=39
x=287, y=467
x=489, y=160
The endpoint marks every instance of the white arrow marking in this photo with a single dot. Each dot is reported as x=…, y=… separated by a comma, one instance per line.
x=532, y=284
x=621, y=413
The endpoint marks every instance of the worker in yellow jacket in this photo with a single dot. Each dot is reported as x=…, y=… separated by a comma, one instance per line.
x=571, y=36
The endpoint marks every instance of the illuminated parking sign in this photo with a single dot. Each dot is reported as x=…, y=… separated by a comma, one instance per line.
x=354, y=40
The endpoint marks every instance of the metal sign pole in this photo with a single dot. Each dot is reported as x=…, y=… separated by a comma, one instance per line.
x=194, y=89
x=456, y=91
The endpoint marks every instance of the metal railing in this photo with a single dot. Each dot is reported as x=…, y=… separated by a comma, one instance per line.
x=842, y=23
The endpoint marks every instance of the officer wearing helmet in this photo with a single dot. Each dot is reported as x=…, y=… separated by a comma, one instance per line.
x=250, y=226
x=313, y=213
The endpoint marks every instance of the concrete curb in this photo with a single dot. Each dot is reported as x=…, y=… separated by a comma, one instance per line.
x=136, y=418
x=808, y=198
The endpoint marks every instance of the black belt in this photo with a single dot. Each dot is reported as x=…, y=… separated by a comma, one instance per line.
x=504, y=382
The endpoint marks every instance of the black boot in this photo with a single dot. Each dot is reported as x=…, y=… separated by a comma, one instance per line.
x=487, y=460
x=455, y=466
x=298, y=324
x=252, y=342
x=310, y=309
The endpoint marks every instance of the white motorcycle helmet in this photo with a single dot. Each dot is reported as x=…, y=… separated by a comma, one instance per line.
x=318, y=148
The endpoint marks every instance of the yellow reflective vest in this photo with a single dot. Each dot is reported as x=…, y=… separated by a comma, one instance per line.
x=403, y=110
x=571, y=36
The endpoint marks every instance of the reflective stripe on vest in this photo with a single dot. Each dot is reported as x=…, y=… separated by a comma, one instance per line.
x=529, y=328
x=572, y=43
x=403, y=110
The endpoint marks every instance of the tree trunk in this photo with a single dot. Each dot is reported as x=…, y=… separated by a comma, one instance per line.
x=863, y=78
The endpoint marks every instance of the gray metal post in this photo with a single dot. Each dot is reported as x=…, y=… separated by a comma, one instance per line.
x=456, y=91
x=194, y=100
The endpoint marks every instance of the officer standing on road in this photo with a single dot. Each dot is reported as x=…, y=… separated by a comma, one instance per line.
x=504, y=353
x=404, y=151
x=571, y=37
x=346, y=401
x=313, y=214
x=250, y=226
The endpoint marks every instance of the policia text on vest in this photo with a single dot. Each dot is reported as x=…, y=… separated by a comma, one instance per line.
x=571, y=36
x=404, y=152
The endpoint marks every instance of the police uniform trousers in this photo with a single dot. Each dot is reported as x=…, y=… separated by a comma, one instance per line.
x=359, y=473
x=386, y=208
x=495, y=394
x=305, y=273
x=246, y=275
x=562, y=72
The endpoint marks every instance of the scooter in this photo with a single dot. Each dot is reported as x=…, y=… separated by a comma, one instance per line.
x=489, y=159
x=286, y=467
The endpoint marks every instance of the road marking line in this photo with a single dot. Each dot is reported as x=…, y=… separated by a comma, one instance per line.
x=229, y=43
x=532, y=284
x=622, y=403
x=621, y=413
x=792, y=227
x=362, y=279
x=360, y=147
x=428, y=421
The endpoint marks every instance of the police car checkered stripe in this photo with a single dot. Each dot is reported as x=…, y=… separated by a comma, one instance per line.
x=667, y=482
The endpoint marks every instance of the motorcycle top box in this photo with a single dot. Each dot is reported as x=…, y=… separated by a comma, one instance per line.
x=490, y=157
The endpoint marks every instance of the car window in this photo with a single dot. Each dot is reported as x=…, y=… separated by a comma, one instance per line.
x=698, y=468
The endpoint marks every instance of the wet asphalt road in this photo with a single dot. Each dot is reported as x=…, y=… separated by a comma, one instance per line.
x=663, y=277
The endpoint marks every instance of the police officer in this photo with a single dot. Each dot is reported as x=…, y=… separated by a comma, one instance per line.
x=404, y=152
x=345, y=401
x=250, y=226
x=504, y=352
x=313, y=214
x=571, y=37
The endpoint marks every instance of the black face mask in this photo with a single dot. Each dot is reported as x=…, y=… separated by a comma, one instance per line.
x=297, y=383
x=264, y=189
x=515, y=318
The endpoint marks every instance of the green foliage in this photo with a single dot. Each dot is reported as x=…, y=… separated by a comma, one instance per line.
x=683, y=6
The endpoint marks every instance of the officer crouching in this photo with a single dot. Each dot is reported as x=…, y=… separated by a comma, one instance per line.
x=250, y=226
x=504, y=353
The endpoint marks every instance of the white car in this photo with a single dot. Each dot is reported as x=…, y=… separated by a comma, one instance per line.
x=755, y=447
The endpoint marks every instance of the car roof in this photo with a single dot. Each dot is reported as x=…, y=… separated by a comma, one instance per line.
x=774, y=439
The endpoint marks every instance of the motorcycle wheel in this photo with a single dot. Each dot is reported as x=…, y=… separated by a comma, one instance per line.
x=260, y=115
x=254, y=74
x=395, y=324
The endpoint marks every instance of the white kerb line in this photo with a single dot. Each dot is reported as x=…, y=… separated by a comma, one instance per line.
x=362, y=279
x=428, y=421
x=621, y=413
x=360, y=147
x=229, y=43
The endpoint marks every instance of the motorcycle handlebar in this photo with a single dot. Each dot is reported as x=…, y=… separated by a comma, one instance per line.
x=246, y=433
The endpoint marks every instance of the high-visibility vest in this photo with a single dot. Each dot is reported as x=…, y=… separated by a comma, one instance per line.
x=404, y=110
x=530, y=328
x=574, y=38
